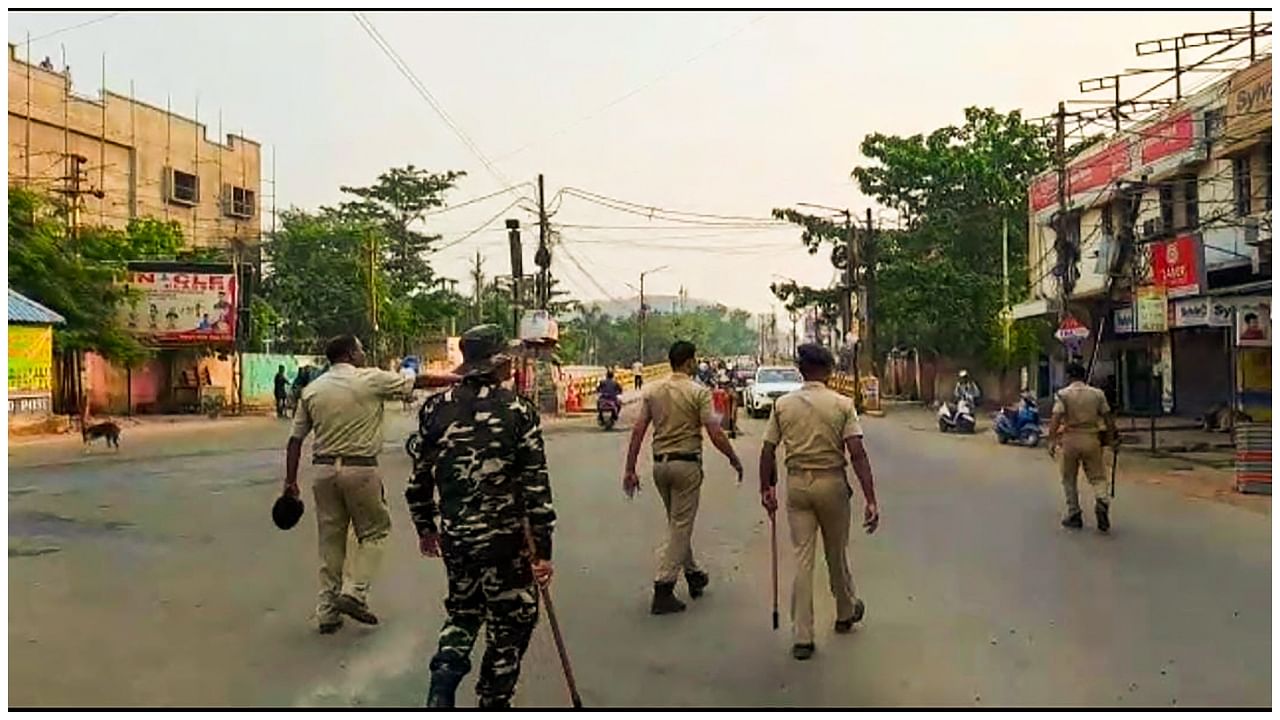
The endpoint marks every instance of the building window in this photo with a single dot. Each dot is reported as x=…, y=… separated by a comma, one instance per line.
x=238, y=202
x=1213, y=125
x=1108, y=221
x=1266, y=176
x=1191, y=203
x=1166, y=205
x=184, y=188
x=1242, y=185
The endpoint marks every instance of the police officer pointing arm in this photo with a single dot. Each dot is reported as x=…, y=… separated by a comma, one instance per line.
x=344, y=407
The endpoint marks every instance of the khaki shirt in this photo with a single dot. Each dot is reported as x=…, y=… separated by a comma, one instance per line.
x=344, y=406
x=678, y=408
x=811, y=424
x=1082, y=407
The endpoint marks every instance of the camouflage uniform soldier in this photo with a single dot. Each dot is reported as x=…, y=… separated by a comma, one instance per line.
x=479, y=445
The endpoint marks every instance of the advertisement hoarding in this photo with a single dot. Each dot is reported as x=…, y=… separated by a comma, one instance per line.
x=181, y=304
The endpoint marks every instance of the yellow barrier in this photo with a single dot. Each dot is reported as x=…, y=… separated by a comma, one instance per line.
x=844, y=384
x=585, y=387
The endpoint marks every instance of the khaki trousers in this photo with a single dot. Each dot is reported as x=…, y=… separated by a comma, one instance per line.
x=1083, y=448
x=349, y=499
x=679, y=484
x=818, y=500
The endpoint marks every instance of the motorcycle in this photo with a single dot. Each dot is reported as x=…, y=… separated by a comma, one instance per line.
x=957, y=417
x=607, y=409
x=1020, y=424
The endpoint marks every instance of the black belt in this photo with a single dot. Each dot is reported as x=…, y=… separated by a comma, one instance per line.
x=352, y=460
x=678, y=457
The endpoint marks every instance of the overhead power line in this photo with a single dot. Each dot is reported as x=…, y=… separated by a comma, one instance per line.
x=628, y=95
x=422, y=90
x=69, y=28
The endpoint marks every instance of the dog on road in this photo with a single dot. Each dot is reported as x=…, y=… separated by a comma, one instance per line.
x=105, y=430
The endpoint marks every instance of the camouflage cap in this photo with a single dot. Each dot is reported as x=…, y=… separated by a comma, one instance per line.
x=482, y=350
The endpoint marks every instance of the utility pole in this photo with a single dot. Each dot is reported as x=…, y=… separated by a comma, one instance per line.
x=846, y=292
x=73, y=190
x=543, y=257
x=1004, y=267
x=869, y=283
x=517, y=271
x=1060, y=159
x=644, y=309
x=477, y=278
x=373, y=294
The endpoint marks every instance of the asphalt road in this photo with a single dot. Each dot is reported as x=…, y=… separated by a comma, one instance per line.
x=154, y=577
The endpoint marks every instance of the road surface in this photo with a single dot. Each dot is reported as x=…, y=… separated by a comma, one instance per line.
x=154, y=577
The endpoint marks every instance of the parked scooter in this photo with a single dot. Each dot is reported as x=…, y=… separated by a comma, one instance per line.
x=957, y=417
x=1020, y=424
x=607, y=409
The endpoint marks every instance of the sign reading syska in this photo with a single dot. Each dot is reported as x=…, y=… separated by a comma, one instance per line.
x=178, y=306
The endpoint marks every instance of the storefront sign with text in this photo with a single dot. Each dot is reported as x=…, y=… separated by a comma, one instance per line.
x=1176, y=265
x=1152, y=310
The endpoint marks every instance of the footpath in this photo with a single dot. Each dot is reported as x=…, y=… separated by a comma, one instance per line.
x=1204, y=475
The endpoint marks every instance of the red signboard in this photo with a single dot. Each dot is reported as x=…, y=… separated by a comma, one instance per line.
x=1090, y=173
x=1044, y=192
x=186, y=308
x=1099, y=169
x=1175, y=266
x=1166, y=138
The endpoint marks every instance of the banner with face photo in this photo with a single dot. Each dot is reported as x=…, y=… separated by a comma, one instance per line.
x=1253, y=322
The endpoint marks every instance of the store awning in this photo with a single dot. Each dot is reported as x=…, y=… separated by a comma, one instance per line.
x=1030, y=309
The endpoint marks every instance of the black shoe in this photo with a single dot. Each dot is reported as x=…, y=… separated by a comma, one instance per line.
x=1103, y=514
x=1075, y=520
x=802, y=652
x=859, y=609
x=665, y=600
x=330, y=627
x=444, y=686
x=697, y=582
x=494, y=703
x=355, y=610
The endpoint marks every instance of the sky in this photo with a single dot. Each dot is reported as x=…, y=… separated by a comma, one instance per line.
x=722, y=113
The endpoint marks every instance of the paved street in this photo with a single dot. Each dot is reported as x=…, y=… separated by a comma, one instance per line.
x=159, y=573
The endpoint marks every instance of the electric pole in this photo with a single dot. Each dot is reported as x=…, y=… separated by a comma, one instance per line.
x=477, y=276
x=73, y=191
x=543, y=257
x=868, y=328
x=517, y=271
x=1060, y=159
x=644, y=309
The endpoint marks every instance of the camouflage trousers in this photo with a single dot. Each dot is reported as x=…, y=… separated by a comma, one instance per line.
x=504, y=599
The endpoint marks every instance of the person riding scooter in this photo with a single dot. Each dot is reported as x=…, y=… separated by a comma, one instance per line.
x=608, y=400
x=967, y=389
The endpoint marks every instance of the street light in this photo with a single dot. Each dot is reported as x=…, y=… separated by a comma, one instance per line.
x=643, y=310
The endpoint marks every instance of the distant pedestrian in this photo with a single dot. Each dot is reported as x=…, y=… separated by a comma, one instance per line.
x=480, y=450
x=1080, y=411
x=679, y=410
x=281, y=392
x=817, y=427
x=637, y=371
x=344, y=407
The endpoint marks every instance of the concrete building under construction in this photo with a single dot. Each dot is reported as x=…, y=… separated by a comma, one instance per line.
x=122, y=159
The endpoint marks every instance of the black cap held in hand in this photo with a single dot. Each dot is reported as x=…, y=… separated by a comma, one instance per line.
x=287, y=511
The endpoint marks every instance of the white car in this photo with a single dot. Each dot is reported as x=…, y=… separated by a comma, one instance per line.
x=771, y=383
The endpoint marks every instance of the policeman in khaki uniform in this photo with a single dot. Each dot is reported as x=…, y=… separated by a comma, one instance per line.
x=816, y=427
x=1078, y=412
x=344, y=408
x=679, y=409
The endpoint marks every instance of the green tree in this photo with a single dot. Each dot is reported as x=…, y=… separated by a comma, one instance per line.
x=393, y=209
x=953, y=189
x=77, y=275
x=319, y=281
